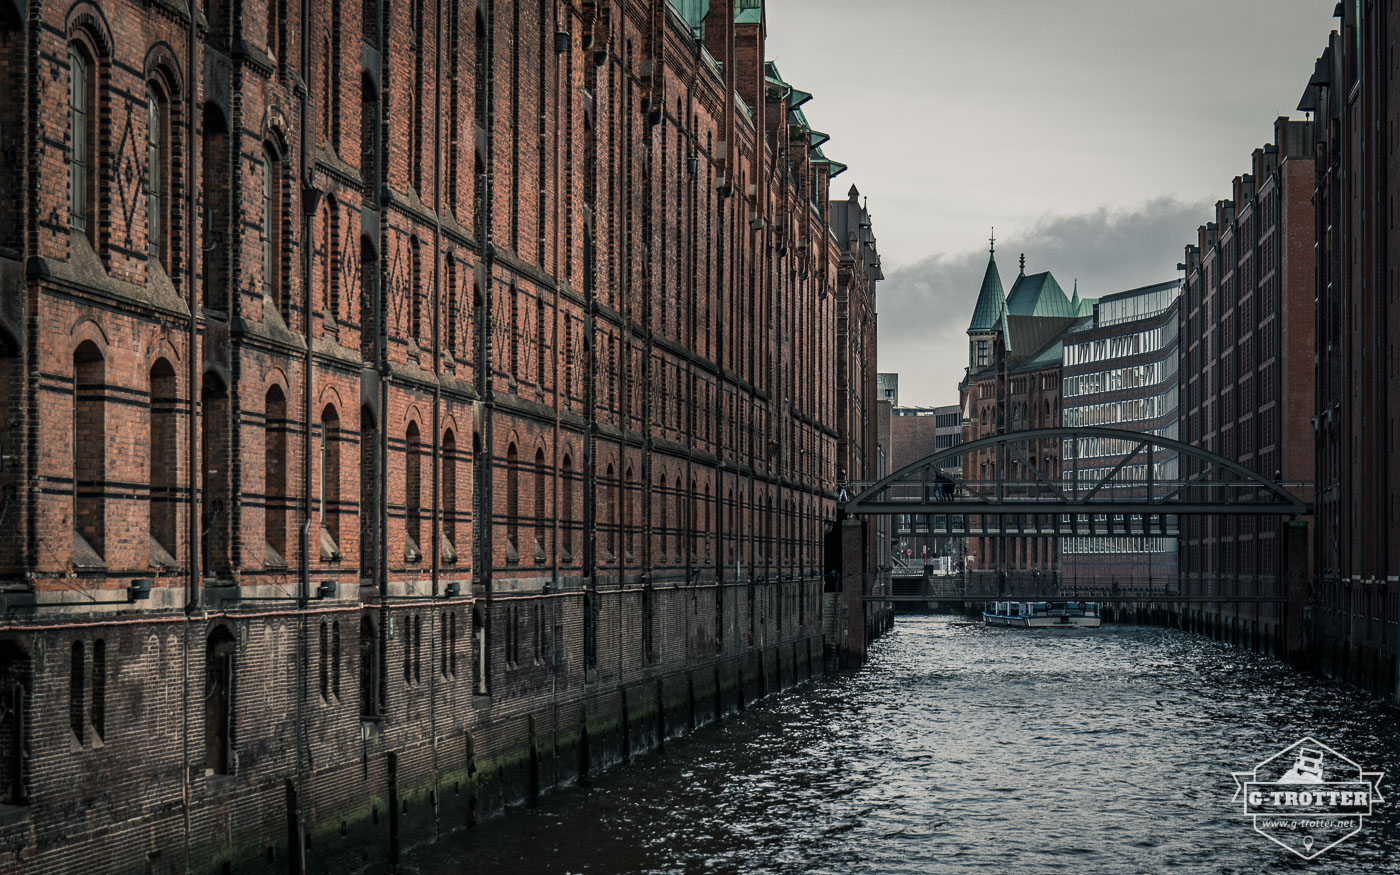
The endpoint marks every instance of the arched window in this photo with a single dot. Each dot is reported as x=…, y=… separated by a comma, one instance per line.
x=449, y=496
x=541, y=529
x=272, y=227
x=89, y=444
x=219, y=652
x=162, y=451
x=82, y=140
x=330, y=484
x=158, y=178
x=565, y=511
x=413, y=493
x=513, y=499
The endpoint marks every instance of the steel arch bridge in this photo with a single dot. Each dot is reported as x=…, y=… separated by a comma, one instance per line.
x=1098, y=481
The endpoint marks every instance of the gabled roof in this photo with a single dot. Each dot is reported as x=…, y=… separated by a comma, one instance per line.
x=990, y=312
x=1038, y=294
x=1053, y=353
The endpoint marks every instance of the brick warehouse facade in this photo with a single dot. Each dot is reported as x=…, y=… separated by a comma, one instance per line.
x=340, y=325
x=1357, y=414
x=1246, y=377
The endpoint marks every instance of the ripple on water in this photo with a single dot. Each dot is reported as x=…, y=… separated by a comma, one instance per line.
x=962, y=749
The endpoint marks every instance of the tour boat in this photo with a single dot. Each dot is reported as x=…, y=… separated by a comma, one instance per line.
x=1044, y=615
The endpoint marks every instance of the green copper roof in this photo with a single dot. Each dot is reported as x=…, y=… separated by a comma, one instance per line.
x=990, y=312
x=749, y=12
x=1081, y=306
x=693, y=11
x=1038, y=295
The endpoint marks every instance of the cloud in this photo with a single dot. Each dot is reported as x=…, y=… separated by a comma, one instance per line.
x=925, y=307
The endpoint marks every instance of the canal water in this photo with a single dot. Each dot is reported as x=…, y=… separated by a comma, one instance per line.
x=964, y=749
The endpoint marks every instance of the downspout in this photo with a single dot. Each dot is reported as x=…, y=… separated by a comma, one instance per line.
x=192, y=587
x=192, y=353
x=309, y=202
x=435, y=553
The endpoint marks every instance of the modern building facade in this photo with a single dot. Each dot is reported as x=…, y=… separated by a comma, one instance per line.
x=1247, y=375
x=1354, y=99
x=888, y=388
x=392, y=392
x=1120, y=371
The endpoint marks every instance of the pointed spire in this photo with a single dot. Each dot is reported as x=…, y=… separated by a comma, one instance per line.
x=990, y=312
x=994, y=240
x=1074, y=302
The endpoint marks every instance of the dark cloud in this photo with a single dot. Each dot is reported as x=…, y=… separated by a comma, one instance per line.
x=925, y=307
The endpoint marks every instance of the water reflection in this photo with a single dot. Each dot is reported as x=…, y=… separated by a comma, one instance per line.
x=960, y=748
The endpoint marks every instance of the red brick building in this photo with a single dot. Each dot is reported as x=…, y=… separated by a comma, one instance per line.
x=1357, y=545
x=1015, y=351
x=401, y=406
x=1247, y=340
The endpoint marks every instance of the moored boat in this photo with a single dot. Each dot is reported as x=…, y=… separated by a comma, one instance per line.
x=1043, y=615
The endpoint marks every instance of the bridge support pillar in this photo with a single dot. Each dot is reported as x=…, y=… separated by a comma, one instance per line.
x=1296, y=568
x=853, y=587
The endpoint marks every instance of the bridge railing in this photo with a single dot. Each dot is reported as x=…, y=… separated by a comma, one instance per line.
x=975, y=586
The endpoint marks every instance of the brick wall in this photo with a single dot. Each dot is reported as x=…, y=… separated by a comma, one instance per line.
x=423, y=361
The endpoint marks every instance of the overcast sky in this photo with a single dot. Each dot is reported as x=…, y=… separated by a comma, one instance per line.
x=1094, y=134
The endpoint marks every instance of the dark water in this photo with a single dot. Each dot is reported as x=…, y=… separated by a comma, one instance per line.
x=962, y=749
